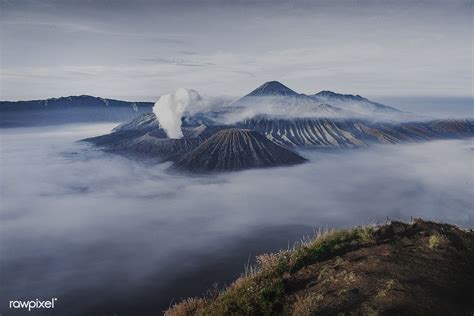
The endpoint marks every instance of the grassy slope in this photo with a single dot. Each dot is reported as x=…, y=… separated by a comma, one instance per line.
x=397, y=268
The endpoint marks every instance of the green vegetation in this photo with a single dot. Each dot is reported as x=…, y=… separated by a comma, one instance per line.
x=434, y=240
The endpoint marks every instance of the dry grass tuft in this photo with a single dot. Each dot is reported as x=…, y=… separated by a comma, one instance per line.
x=187, y=307
x=306, y=305
x=434, y=240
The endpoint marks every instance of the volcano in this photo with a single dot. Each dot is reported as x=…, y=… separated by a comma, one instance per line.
x=272, y=88
x=236, y=149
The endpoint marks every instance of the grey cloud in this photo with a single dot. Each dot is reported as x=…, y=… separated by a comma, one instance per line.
x=92, y=29
x=366, y=47
x=188, y=52
x=178, y=62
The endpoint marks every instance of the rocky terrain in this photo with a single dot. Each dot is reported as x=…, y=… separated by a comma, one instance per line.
x=421, y=268
x=325, y=132
x=236, y=149
x=144, y=138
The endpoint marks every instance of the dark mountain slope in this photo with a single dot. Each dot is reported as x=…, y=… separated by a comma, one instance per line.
x=82, y=101
x=73, y=109
x=236, y=149
x=150, y=140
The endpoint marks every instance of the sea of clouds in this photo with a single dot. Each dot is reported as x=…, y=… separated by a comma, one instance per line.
x=127, y=237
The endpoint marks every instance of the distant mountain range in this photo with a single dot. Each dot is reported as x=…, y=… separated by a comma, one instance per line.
x=271, y=98
x=250, y=142
x=275, y=99
x=350, y=102
x=73, y=109
x=261, y=129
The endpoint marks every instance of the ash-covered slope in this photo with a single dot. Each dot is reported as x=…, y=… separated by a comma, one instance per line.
x=236, y=149
x=143, y=137
x=324, y=132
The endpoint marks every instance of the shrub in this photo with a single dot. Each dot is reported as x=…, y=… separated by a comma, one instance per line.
x=261, y=289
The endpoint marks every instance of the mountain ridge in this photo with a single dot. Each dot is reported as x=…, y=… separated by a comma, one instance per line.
x=353, y=102
x=66, y=110
x=336, y=94
x=272, y=88
x=275, y=117
x=274, y=98
x=72, y=100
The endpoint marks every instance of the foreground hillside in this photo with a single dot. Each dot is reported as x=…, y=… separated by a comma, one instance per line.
x=422, y=268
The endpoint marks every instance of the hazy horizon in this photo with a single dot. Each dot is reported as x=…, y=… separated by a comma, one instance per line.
x=385, y=99
x=436, y=107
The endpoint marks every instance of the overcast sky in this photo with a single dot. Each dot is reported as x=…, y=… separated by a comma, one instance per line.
x=138, y=50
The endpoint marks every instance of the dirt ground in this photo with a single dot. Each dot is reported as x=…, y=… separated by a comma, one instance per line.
x=420, y=269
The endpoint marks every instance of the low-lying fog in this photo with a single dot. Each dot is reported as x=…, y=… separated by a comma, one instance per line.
x=107, y=235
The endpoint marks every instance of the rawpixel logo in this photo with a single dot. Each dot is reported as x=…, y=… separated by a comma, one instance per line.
x=36, y=304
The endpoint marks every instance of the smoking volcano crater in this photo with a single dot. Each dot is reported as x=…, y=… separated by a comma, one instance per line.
x=255, y=132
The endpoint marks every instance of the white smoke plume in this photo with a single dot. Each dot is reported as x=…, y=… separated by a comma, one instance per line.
x=170, y=108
